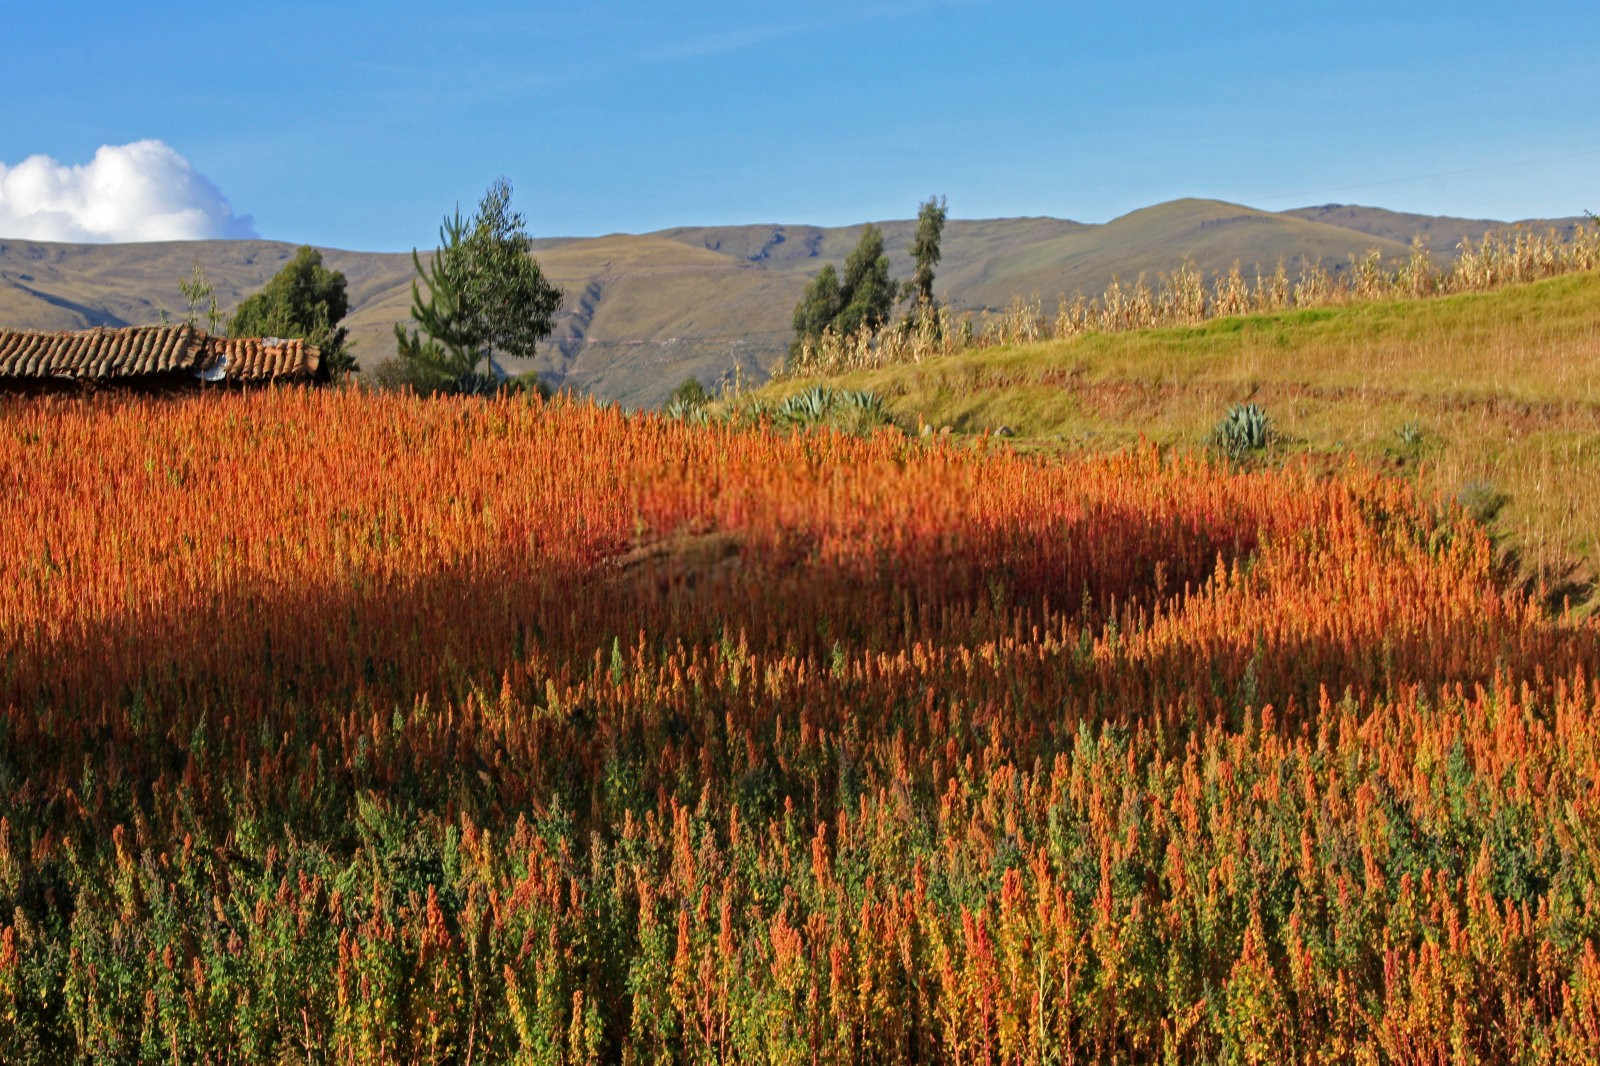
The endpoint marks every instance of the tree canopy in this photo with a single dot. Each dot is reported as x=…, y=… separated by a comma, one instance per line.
x=690, y=393
x=864, y=297
x=925, y=250
x=306, y=300
x=485, y=296
x=819, y=306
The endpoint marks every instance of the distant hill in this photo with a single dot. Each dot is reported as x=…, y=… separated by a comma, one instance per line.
x=1442, y=233
x=642, y=312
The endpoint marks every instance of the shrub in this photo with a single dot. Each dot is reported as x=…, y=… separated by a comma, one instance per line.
x=1244, y=430
x=855, y=410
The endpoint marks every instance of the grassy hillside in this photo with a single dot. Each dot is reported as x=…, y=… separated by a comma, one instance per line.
x=805, y=248
x=645, y=311
x=1479, y=396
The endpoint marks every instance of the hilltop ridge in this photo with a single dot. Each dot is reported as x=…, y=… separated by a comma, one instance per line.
x=644, y=311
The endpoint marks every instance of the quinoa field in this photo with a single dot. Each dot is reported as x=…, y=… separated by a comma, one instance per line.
x=354, y=728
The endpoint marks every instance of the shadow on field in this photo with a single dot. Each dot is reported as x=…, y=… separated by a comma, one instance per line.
x=390, y=640
x=486, y=690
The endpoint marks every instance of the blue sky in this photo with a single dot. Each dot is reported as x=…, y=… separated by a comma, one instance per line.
x=357, y=126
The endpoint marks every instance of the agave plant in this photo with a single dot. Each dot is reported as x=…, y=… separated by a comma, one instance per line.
x=1244, y=429
x=861, y=400
x=682, y=410
x=808, y=406
x=815, y=404
x=473, y=383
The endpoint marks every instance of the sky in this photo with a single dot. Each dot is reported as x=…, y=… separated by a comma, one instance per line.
x=358, y=125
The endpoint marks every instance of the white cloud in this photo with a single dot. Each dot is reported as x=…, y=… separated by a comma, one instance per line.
x=142, y=191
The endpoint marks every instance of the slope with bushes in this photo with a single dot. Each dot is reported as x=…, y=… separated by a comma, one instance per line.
x=1483, y=396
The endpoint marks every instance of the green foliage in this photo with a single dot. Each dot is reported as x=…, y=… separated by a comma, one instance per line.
x=198, y=292
x=532, y=384
x=1409, y=443
x=486, y=295
x=691, y=393
x=688, y=402
x=808, y=405
x=858, y=412
x=1244, y=430
x=925, y=250
x=819, y=307
x=679, y=411
x=305, y=300
x=861, y=300
x=868, y=293
x=850, y=409
x=398, y=375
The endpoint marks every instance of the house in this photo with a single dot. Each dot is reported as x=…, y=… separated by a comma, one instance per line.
x=148, y=357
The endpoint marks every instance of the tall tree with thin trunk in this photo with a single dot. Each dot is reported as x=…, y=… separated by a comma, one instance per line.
x=925, y=251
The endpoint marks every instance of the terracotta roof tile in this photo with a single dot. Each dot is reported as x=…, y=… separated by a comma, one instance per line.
x=261, y=359
x=111, y=355
x=98, y=353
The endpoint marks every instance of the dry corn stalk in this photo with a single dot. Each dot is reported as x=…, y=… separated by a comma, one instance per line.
x=1183, y=298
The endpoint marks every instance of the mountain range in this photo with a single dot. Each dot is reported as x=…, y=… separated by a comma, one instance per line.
x=642, y=312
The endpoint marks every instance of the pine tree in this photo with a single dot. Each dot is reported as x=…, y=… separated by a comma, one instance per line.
x=444, y=351
x=486, y=295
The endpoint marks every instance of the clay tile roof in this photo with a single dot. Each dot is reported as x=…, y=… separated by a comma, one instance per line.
x=111, y=355
x=99, y=354
x=260, y=359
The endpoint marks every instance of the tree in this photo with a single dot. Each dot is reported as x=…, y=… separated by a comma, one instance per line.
x=690, y=394
x=304, y=300
x=819, y=306
x=198, y=292
x=868, y=291
x=486, y=295
x=925, y=252
x=863, y=299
